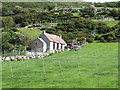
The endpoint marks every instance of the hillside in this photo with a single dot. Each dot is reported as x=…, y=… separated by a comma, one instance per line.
x=93, y=65
x=91, y=50
x=10, y=5
x=111, y=23
x=72, y=20
x=32, y=34
x=66, y=70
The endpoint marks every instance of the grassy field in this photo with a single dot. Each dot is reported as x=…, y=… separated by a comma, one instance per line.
x=111, y=23
x=104, y=7
x=33, y=34
x=75, y=14
x=68, y=71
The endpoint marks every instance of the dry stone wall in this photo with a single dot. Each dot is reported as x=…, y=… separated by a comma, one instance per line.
x=29, y=55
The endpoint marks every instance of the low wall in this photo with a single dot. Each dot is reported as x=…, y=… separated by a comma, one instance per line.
x=29, y=55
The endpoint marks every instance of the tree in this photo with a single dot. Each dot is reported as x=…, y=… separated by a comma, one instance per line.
x=12, y=41
x=102, y=28
x=7, y=23
x=92, y=10
x=115, y=13
x=50, y=7
x=24, y=24
x=17, y=9
x=4, y=11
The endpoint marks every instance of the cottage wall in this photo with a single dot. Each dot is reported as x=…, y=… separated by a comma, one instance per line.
x=44, y=44
x=55, y=46
x=37, y=45
x=63, y=47
x=51, y=45
x=46, y=40
x=59, y=46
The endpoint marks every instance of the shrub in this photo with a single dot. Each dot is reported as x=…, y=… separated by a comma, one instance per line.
x=97, y=37
x=14, y=29
x=20, y=47
x=110, y=39
x=90, y=40
x=81, y=39
x=24, y=24
x=102, y=39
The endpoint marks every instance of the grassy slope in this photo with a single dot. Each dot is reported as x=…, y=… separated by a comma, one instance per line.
x=69, y=66
x=33, y=34
x=108, y=7
x=94, y=49
x=111, y=23
x=75, y=14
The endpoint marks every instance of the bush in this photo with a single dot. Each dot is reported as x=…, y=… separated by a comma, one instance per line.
x=14, y=29
x=90, y=40
x=97, y=37
x=81, y=39
x=24, y=24
x=116, y=18
x=110, y=39
x=102, y=39
x=20, y=47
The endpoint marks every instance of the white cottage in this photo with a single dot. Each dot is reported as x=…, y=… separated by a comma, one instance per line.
x=48, y=42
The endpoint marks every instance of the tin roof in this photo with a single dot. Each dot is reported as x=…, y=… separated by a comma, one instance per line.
x=55, y=38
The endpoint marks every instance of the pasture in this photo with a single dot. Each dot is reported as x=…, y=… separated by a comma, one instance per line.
x=32, y=34
x=75, y=14
x=93, y=66
x=111, y=23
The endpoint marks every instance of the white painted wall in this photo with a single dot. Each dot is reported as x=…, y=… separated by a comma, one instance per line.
x=59, y=46
x=51, y=45
x=44, y=45
x=55, y=46
x=46, y=40
x=63, y=47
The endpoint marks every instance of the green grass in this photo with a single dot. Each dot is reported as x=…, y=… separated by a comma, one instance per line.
x=32, y=34
x=69, y=67
x=111, y=23
x=49, y=24
x=94, y=49
x=108, y=7
x=75, y=14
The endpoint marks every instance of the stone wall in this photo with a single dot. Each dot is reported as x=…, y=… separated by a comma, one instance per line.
x=29, y=55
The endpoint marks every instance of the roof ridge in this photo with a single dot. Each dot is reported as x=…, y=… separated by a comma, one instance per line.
x=54, y=38
x=52, y=34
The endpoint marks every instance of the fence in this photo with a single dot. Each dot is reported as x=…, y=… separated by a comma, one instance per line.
x=71, y=72
x=13, y=53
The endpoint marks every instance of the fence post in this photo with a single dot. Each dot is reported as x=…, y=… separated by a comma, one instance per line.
x=96, y=66
x=44, y=71
x=61, y=70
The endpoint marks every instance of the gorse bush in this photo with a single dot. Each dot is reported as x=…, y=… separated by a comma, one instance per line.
x=90, y=40
x=102, y=39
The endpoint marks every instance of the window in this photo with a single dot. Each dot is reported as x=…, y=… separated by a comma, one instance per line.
x=36, y=44
x=53, y=45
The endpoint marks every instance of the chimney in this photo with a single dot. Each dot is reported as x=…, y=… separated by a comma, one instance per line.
x=44, y=32
x=60, y=36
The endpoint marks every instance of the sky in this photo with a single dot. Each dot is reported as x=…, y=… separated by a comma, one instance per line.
x=100, y=0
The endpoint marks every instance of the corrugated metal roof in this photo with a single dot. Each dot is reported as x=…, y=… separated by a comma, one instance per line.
x=55, y=38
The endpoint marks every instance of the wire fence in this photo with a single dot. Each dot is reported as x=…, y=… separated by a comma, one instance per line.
x=72, y=72
x=13, y=52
